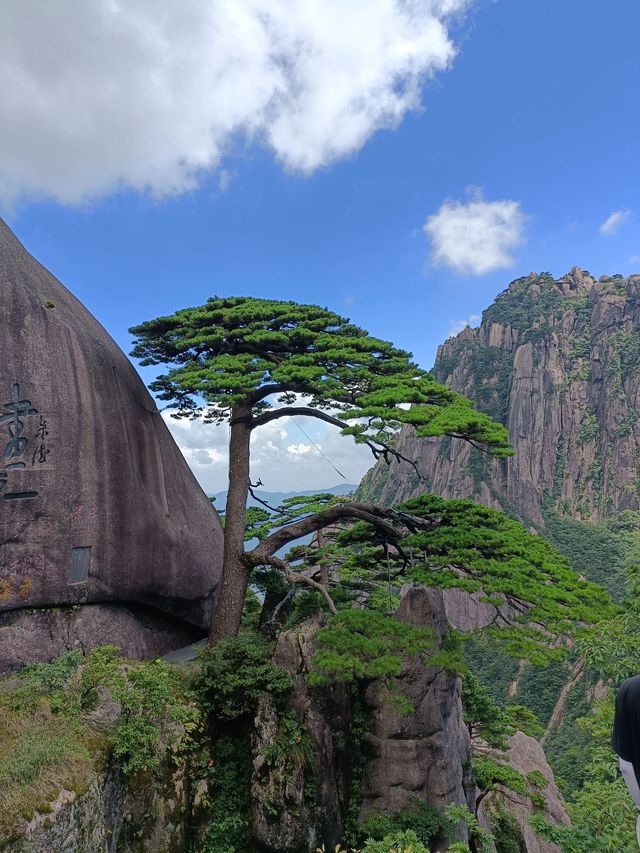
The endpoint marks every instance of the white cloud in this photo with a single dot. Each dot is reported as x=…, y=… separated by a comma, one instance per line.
x=299, y=449
x=476, y=237
x=225, y=177
x=614, y=221
x=278, y=458
x=99, y=95
x=456, y=326
x=203, y=457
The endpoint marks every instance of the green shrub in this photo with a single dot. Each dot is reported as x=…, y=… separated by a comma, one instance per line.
x=483, y=717
x=306, y=604
x=365, y=644
x=227, y=770
x=291, y=748
x=396, y=842
x=236, y=673
x=490, y=773
x=46, y=679
x=507, y=833
x=424, y=820
x=153, y=707
x=523, y=719
x=455, y=814
x=45, y=744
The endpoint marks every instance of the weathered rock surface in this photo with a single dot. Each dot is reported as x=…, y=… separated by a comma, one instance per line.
x=152, y=811
x=467, y=611
x=286, y=814
x=146, y=814
x=90, y=821
x=97, y=504
x=404, y=759
x=558, y=362
x=32, y=636
x=526, y=755
x=427, y=754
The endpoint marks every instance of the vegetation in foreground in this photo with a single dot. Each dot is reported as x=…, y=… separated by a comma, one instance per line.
x=61, y=733
x=56, y=736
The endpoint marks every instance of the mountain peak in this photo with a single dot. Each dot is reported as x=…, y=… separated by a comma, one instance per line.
x=558, y=362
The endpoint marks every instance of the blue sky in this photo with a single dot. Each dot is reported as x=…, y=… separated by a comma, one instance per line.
x=539, y=108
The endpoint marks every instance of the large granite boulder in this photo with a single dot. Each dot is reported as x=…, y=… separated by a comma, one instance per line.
x=97, y=504
x=45, y=633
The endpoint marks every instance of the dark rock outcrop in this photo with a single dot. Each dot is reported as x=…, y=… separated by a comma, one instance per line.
x=97, y=504
x=526, y=756
x=558, y=362
x=399, y=760
x=426, y=755
x=288, y=815
x=29, y=636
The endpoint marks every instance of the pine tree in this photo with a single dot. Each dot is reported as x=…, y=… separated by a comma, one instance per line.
x=248, y=362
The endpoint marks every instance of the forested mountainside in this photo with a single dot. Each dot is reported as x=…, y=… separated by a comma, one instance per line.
x=556, y=361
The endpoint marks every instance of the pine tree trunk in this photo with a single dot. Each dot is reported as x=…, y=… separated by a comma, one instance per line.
x=227, y=611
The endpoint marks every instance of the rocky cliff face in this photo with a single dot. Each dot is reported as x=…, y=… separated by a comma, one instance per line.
x=112, y=816
x=557, y=362
x=299, y=804
x=385, y=763
x=527, y=756
x=97, y=504
x=424, y=756
x=151, y=812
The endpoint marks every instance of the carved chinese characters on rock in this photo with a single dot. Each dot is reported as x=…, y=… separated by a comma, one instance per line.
x=41, y=450
x=23, y=442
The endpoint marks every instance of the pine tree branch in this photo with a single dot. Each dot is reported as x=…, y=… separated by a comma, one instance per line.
x=377, y=516
x=272, y=388
x=268, y=506
x=291, y=575
x=297, y=411
x=384, y=451
x=380, y=449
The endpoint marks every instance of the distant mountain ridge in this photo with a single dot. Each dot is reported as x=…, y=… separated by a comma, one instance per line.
x=556, y=361
x=276, y=498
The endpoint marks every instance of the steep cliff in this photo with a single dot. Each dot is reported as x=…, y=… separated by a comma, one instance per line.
x=113, y=756
x=367, y=759
x=557, y=362
x=97, y=504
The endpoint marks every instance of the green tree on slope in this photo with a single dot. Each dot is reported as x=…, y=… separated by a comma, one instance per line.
x=249, y=361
